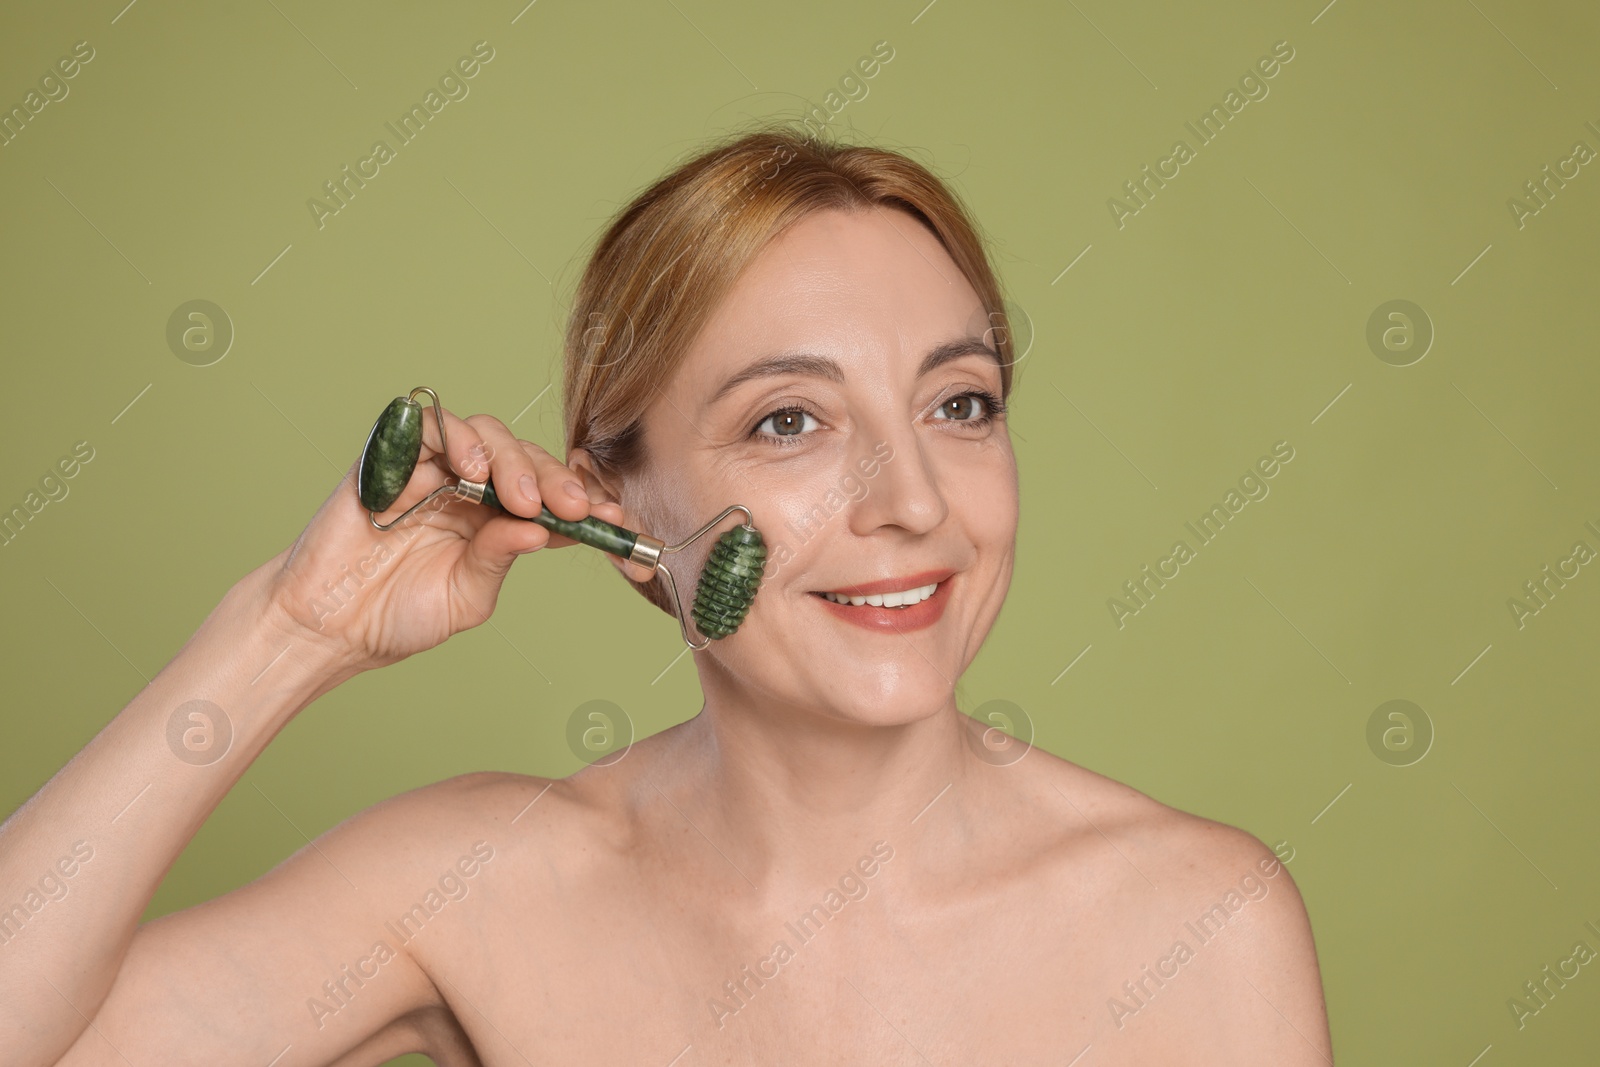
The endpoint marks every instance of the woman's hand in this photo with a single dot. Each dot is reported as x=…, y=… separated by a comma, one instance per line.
x=378, y=596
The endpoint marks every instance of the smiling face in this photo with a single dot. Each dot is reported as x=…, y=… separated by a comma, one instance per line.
x=843, y=391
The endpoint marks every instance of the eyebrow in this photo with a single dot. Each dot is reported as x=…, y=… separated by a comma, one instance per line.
x=803, y=363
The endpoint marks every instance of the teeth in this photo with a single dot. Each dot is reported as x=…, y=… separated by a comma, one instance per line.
x=903, y=599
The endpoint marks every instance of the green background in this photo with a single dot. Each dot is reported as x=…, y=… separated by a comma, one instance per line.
x=1230, y=313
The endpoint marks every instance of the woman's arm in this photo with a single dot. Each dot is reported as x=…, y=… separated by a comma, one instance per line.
x=88, y=851
x=82, y=859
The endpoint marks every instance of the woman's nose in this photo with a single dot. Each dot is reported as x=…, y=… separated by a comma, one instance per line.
x=905, y=491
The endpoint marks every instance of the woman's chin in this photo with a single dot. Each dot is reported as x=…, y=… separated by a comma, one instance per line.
x=885, y=715
x=895, y=702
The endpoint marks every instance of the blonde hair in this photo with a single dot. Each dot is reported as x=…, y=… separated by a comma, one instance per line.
x=669, y=257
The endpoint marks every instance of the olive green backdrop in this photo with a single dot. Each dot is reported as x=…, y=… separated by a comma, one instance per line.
x=1441, y=458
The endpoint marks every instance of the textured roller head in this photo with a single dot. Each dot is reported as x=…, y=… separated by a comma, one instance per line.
x=728, y=584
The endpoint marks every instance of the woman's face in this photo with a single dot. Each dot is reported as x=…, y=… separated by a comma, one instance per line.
x=832, y=393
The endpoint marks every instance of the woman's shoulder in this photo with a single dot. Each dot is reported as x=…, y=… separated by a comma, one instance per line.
x=1170, y=872
x=1148, y=866
x=521, y=828
x=501, y=803
x=1138, y=889
x=498, y=810
x=1184, y=848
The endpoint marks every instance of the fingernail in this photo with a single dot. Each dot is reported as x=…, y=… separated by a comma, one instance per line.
x=530, y=488
x=575, y=491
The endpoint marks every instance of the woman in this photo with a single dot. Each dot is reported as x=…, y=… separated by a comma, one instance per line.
x=822, y=866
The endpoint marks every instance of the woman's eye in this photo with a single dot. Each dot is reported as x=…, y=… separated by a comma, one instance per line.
x=968, y=407
x=786, y=422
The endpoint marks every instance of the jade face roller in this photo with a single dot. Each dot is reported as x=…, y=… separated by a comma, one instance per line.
x=727, y=585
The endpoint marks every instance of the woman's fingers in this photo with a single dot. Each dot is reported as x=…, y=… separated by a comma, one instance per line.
x=442, y=569
x=526, y=478
x=467, y=458
x=478, y=576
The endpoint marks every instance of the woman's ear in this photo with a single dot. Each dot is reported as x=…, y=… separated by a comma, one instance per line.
x=605, y=502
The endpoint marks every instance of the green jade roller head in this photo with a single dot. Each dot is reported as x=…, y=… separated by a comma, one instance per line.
x=727, y=585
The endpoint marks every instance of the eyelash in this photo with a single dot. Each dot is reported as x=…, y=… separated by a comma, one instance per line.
x=993, y=407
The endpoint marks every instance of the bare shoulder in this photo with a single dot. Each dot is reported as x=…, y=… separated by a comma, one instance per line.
x=1179, y=852
x=408, y=829
x=444, y=872
x=1204, y=897
x=528, y=824
x=503, y=810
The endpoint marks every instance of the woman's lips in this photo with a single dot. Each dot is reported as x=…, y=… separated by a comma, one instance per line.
x=894, y=585
x=918, y=616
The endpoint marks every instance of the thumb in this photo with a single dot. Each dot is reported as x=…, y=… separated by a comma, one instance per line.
x=488, y=558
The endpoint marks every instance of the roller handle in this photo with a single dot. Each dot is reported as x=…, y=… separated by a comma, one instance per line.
x=592, y=531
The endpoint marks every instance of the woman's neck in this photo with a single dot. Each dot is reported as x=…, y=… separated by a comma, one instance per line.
x=791, y=790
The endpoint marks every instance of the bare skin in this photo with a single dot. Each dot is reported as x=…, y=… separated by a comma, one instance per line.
x=964, y=905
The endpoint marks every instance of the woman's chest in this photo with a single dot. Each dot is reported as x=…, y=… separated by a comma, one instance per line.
x=678, y=981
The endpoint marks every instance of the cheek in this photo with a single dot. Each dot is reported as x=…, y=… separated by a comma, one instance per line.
x=666, y=503
x=805, y=505
x=986, y=497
